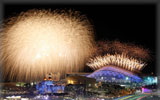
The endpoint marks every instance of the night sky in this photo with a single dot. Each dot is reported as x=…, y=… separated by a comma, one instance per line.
x=127, y=23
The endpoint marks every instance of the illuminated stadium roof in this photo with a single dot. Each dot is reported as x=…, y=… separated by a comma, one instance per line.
x=115, y=74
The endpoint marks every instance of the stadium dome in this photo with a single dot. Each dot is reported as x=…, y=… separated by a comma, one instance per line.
x=115, y=75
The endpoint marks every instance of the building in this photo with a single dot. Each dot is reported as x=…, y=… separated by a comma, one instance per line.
x=49, y=86
x=116, y=75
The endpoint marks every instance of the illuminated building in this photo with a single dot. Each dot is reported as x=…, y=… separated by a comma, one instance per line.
x=53, y=76
x=149, y=80
x=145, y=90
x=48, y=86
x=76, y=74
x=81, y=80
x=117, y=68
x=115, y=75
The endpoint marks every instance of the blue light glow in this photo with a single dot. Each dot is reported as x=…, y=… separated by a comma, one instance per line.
x=150, y=80
x=114, y=74
x=47, y=87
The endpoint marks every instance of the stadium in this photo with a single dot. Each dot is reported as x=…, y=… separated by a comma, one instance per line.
x=115, y=75
x=116, y=69
x=116, y=64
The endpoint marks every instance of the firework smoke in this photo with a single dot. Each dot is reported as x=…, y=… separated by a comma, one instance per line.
x=117, y=47
x=124, y=55
x=38, y=42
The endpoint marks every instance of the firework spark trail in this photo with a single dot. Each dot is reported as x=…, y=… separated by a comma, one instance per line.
x=116, y=53
x=120, y=60
x=38, y=42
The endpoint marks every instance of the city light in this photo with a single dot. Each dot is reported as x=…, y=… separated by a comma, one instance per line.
x=54, y=52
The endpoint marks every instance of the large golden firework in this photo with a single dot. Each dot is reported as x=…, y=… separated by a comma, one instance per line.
x=38, y=42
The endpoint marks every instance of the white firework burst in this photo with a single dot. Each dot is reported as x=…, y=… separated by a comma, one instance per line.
x=118, y=60
x=38, y=42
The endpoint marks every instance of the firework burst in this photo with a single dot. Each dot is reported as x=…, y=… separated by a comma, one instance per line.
x=121, y=61
x=38, y=42
x=116, y=53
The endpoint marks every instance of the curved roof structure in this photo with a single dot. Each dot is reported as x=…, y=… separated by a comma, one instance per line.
x=115, y=74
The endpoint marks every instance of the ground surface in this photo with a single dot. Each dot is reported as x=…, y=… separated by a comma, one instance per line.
x=140, y=97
